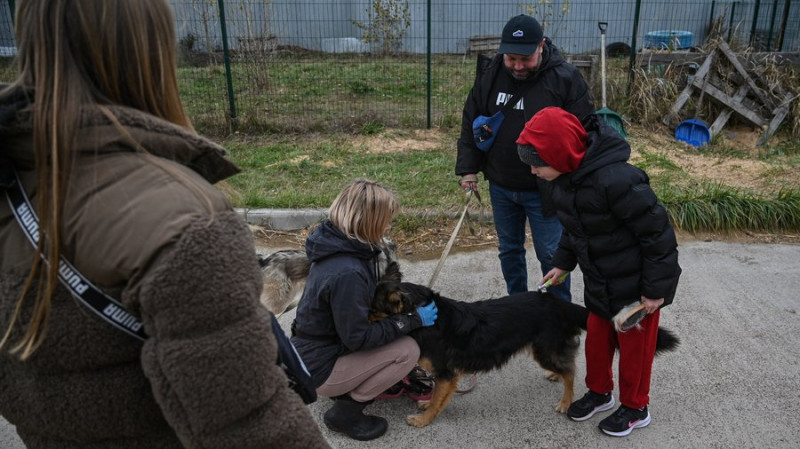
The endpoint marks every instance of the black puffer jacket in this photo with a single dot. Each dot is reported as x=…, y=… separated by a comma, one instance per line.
x=556, y=83
x=614, y=227
x=333, y=314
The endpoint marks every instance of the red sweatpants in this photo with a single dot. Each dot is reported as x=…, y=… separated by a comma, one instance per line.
x=637, y=348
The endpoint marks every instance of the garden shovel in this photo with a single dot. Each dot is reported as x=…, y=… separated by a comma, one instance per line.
x=610, y=117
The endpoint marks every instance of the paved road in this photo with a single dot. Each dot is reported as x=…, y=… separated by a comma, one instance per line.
x=733, y=383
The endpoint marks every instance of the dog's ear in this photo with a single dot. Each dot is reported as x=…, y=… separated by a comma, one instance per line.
x=392, y=273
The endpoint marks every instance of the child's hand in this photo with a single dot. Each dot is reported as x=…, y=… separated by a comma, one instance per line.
x=556, y=276
x=652, y=304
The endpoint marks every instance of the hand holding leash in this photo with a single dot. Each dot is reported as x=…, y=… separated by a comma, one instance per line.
x=469, y=182
x=428, y=314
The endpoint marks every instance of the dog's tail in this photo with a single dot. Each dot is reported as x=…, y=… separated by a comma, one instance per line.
x=667, y=341
x=291, y=263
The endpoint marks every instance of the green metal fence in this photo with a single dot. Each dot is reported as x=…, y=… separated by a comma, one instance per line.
x=306, y=65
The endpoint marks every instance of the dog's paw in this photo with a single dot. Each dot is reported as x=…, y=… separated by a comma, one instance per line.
x=562, y=407
x=417, y=420
x=423, y=405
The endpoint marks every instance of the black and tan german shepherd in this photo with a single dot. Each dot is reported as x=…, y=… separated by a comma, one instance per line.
x=484, y=335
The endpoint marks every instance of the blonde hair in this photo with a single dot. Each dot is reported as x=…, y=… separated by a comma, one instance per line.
x=363, y=210
x=77, y=55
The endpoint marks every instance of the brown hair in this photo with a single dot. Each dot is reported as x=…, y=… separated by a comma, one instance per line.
x=363, y=210
x=77, y=55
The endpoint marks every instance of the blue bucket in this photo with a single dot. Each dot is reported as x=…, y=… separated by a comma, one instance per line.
x=694, y=132
x=668, y=39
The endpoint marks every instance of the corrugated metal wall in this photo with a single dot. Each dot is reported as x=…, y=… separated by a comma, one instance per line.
x=328, y=25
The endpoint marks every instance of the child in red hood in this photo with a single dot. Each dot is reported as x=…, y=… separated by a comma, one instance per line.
x=621, y=236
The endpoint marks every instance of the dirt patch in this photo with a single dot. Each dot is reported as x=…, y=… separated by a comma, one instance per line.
x=743, y=137
x=745, y=172
x=740, y=173
x=394, y=142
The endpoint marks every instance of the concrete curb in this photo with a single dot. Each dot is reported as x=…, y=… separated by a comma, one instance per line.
x=283, y=219
x=296, y=219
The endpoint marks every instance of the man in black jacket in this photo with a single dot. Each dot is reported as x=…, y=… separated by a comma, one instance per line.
x=530, y=66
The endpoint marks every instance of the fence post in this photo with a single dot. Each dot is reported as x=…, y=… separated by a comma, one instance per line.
x=428, y=69
x=711, y=17
x=755, y=21
x=772, y=25
x=787, y=4
x=633, y=45
x=227, y=56
x=730, y=22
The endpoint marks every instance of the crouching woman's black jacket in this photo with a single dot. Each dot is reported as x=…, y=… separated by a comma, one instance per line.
x=614, y=227
x=333, y=313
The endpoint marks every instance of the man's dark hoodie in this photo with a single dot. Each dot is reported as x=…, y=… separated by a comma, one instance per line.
x=555, y=83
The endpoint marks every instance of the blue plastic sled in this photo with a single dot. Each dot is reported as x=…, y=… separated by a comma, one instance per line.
x=694, y=132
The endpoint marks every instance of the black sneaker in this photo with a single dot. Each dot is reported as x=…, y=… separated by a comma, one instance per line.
x=591, y=403
x=622, y=422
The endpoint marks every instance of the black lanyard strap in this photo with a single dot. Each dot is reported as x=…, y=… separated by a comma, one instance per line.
x=81, y=288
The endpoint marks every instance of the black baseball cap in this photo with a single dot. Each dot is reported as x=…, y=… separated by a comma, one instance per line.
x=520, y=36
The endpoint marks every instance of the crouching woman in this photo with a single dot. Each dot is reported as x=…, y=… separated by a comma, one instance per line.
x=352, y=359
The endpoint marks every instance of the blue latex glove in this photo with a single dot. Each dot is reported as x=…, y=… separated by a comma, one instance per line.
x=428, y=314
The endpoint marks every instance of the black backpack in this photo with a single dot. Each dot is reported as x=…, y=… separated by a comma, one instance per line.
x=291, y=363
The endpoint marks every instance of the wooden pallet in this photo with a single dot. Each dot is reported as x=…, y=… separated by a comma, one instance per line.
x=483, y=44
x=749, y=101
x=587, y=64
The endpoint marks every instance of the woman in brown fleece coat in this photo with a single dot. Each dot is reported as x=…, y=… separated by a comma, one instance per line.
x=122, y=186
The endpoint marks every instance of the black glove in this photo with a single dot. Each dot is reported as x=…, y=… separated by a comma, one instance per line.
x=406, y=322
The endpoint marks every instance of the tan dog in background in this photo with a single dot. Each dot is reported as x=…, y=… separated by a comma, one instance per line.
x=285, y=272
